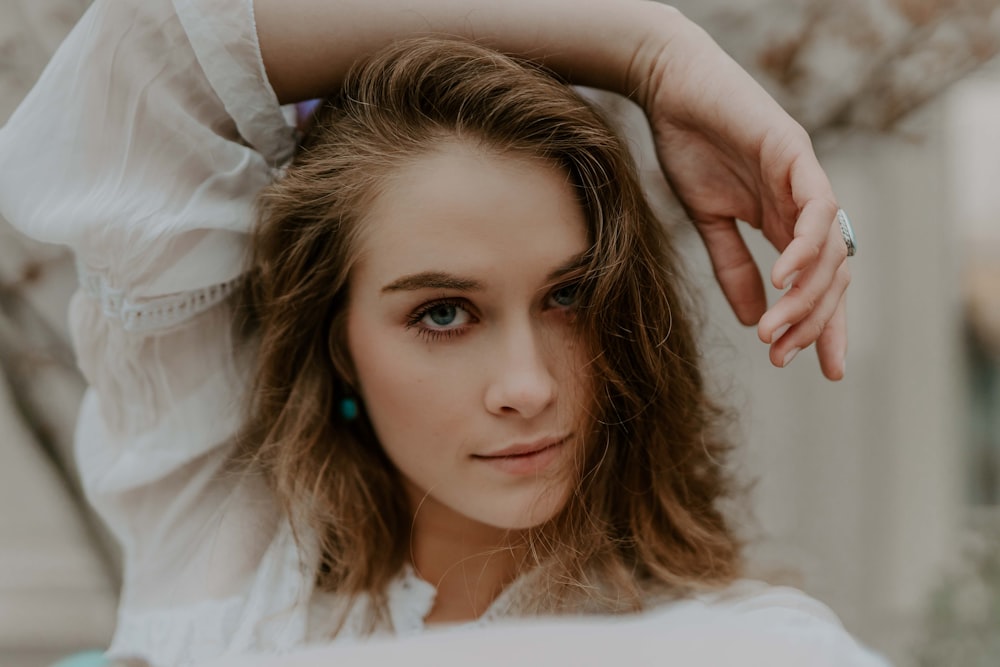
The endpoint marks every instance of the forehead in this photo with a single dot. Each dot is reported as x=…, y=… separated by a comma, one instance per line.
x=470, y=210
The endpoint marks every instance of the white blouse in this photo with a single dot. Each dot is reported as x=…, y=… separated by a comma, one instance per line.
x=142, y=147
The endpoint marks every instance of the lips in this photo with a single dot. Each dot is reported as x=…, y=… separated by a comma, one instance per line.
x=523, y=449
x=528, y=459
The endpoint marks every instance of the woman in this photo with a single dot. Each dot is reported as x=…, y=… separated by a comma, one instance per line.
x=462, y=262
x=151, y=179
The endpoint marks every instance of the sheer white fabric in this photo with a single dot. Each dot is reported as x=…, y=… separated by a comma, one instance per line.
x=142, y=147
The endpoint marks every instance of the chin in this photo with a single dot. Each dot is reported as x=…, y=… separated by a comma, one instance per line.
x=522, y=514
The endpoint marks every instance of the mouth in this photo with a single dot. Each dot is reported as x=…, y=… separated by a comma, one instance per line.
x=525, y=458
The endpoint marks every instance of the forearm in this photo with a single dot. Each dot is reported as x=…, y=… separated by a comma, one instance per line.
x=308, y=45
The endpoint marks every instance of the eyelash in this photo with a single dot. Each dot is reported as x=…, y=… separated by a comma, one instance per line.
x=437, y=334
x=413, y=322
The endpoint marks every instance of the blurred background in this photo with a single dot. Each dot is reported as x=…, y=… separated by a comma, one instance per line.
x=880, y=494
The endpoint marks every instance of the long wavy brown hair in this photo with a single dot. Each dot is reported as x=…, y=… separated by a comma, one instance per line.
x=645, y=514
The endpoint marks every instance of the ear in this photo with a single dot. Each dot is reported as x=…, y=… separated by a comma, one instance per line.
x=340, y=355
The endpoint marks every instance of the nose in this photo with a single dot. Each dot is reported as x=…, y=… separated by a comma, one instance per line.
x=522, y=382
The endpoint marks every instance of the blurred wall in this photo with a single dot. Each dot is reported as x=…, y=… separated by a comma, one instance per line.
x=857, y=485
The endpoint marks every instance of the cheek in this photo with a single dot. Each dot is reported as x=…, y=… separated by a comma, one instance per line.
x=573, y=368
x=408, y=398
x=381, y=373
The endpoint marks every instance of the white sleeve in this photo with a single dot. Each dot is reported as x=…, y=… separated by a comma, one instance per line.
x=143, y=147
x=152, y=128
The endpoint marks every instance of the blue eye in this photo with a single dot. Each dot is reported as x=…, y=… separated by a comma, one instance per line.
x=441, y=317
x=442, y=314
x=566, y=296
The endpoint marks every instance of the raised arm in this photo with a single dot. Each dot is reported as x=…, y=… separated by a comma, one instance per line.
x=729, y=151
x=308, y=45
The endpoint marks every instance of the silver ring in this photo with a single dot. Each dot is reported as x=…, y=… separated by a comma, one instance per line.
x=847, y=232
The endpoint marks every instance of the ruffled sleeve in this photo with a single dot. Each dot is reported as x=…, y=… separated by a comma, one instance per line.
x=154, y=120
x=143, y=147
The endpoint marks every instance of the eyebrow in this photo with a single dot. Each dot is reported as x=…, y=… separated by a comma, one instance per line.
x=571, y=265
x=442, y=280
x=432, y=280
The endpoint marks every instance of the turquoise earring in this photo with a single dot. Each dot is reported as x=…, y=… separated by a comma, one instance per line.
x=349, y=408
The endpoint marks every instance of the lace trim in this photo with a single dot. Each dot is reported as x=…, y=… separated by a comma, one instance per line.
x=153, y=313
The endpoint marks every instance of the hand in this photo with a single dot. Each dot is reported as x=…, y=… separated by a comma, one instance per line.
x=731, y=153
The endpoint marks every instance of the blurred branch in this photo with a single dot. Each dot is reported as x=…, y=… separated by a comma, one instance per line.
x=861, y=64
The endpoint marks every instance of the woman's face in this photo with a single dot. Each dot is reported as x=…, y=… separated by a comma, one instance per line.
x=460, y=327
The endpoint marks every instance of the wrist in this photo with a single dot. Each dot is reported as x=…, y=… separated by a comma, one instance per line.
x=615, y=45
x=662, y=52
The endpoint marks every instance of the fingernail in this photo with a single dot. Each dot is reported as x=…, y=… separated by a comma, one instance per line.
x=790, y=280
x=779, y=332
x=791, y=355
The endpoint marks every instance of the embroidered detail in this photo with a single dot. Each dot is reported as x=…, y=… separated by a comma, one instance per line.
x=160, y=312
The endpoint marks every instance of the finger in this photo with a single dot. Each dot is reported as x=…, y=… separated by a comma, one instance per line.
x=814, y=327
x=812, y=197
x=735, y=269
x=807, y=291
x=812, y=230
x=831, y=348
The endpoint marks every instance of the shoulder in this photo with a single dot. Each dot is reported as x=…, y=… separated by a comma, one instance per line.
x=775, y=625
x=751, y=596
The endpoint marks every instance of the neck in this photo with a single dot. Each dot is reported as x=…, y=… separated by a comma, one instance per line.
x=469, y=563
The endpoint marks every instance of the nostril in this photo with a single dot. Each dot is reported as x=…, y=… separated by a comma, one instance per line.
x=524, y=395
